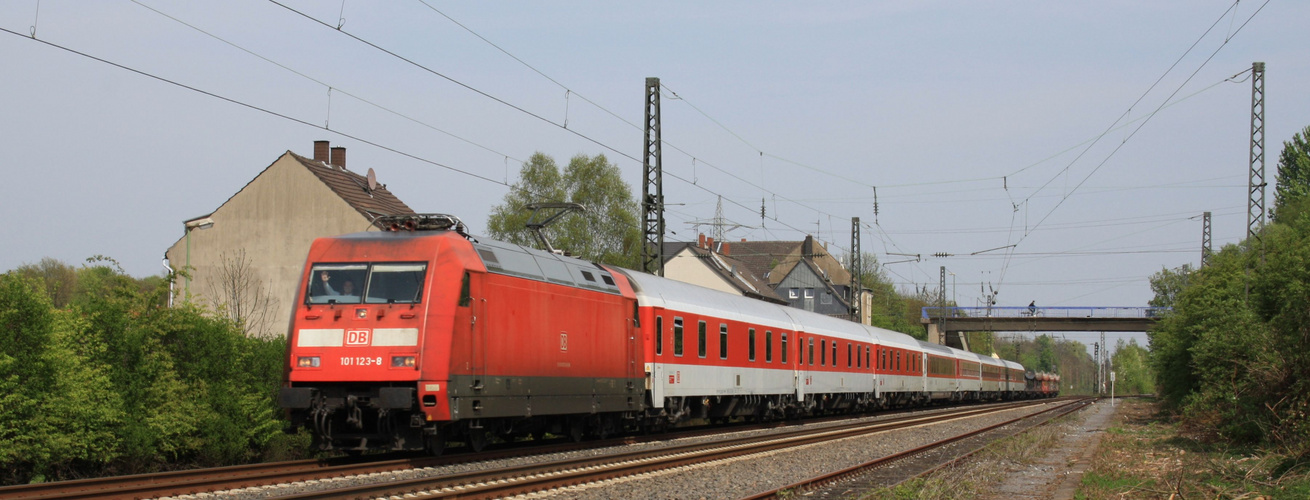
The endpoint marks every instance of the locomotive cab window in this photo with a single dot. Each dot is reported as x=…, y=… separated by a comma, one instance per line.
x=336, y=283
x=395, y=283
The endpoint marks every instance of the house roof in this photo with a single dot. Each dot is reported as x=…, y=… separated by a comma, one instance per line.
x=353, y=188
x=760, y=257
x=735, y=273
x=825, y=265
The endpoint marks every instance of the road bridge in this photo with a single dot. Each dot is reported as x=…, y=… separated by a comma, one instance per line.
x=945, y=324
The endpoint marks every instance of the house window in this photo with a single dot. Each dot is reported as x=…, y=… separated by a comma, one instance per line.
x=784, y=348
x=723, y=341
x=793, y=293
x=826, y=298
x=809, y=293
x=768, y=346
x=677, y=336
x=659, y=335
x=700, y=340
x=751, y=351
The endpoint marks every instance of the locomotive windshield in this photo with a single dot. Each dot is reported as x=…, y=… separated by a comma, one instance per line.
x=383, y=283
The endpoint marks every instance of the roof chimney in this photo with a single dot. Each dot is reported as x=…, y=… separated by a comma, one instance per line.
x=709, y=244
x=725, y=248
x=339, y=157
x=321, y=151
x=701, y=244
x=807, y=247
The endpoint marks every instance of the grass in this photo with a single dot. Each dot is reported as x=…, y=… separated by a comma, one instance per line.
x=982, y=472
x=1144, y=455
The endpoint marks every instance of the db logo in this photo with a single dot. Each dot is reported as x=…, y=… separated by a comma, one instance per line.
x=357, y=337
x=563, y=341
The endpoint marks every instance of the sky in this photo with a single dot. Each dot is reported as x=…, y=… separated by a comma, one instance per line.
x=1057, y=152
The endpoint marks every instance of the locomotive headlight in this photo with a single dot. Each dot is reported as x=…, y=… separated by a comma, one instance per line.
x=307, y=362
x=402, y=361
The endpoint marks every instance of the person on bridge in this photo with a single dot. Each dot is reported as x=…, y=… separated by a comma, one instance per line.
x=1032, y=308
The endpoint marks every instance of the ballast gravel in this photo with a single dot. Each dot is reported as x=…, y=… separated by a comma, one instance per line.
x=727, y=479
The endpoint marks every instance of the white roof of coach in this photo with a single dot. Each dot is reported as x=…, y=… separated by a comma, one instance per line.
x=654, y=291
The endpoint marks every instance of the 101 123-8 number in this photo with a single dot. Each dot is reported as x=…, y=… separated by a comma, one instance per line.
x=361, y=361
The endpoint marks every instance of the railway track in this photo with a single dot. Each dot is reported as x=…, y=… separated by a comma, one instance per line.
x=825, y=480
x=515, y=480
x=280, y=473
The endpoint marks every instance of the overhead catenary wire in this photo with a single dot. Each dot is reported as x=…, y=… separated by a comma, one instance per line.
x=329, y=86
x=1107, y=158
x=517, y=107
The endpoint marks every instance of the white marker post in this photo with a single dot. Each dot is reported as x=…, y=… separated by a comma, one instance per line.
x=1111, y=388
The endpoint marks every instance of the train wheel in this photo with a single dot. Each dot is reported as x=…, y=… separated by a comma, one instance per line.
x=577, y=428
x=477, y=439
x=435, y=443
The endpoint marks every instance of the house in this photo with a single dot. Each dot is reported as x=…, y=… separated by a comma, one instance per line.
x=245, y=258
x=709, y=265
x=803, y=273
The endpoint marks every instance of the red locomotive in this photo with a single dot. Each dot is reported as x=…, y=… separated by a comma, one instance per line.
x=423, y=335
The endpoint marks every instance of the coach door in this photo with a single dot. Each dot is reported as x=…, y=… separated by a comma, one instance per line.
x=802, y=377
x=634, y=354
x=657, y=362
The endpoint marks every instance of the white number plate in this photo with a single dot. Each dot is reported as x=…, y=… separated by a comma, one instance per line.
x=361, y=361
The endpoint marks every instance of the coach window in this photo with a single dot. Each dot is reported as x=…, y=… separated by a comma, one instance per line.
x=751, y=351
x=723, y=341
x=700, y=339
x=848, y=355
x=834, y=353
x=866, y=357
x=677, y=336
x=823, y=353
x=768, y=346
x=898, y=361
x=784, y=348
x=659, y=335
x=857, y=358
x=811, y=352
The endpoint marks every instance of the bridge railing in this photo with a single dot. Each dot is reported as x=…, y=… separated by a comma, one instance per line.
x=1044, y=312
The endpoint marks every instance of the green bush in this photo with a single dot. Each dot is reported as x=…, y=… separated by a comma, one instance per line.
x=1231, y=359
x=116, y=382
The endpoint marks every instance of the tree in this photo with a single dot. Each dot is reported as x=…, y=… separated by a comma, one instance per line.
x=58, y=279
x=239, y=295
x=1293, y=172
x=1130, y=363
x=1168, y=283
x=607, y=232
